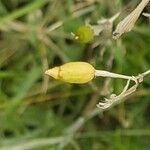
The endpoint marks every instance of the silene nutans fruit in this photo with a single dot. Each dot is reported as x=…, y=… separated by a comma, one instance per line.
x=73, y=72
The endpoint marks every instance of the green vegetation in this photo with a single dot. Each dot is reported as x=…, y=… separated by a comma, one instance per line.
x=40, y=113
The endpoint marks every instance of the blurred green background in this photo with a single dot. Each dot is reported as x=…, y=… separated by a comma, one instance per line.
x=40, y=113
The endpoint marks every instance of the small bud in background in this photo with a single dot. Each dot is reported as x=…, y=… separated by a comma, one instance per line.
x=84, y=34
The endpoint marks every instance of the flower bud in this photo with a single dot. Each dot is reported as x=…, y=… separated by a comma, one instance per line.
x=84, y=34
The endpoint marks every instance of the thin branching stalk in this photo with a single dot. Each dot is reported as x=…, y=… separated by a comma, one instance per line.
x=107, y=102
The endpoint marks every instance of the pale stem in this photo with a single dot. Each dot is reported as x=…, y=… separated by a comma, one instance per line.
x=146, y=14
x=146, y=73
x=103, y=73
x=117, y=98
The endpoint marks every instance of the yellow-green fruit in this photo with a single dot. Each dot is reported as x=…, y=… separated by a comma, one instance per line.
x=73, y=72
x=84, y=34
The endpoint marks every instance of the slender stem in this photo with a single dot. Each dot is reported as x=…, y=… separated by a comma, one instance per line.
x=146, y=73
x=103, y=73
x=126, y=91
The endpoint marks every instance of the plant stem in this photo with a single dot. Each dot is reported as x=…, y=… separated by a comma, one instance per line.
x=103, y=73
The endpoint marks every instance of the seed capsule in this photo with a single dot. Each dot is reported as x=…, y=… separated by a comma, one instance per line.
x=73, y=72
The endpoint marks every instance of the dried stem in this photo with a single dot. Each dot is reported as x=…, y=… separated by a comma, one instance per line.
x=125, y=92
